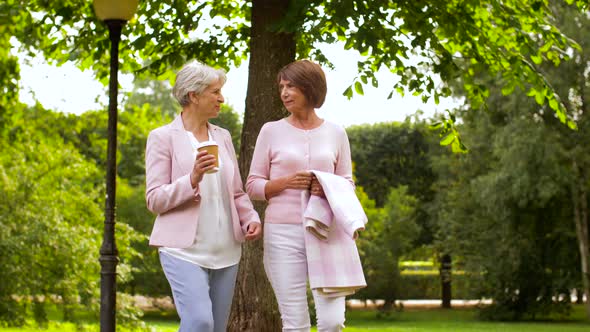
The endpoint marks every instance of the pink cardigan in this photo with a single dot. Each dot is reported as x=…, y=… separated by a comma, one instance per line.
x=169, y=161
x=333, y=262
x=282, y=149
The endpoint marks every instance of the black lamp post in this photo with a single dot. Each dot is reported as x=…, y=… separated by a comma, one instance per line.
x=115, y=13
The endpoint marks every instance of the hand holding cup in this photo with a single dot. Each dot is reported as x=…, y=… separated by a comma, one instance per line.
x=213, y=149
x=205, y=162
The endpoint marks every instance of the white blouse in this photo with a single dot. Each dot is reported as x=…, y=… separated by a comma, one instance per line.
x=214, y=246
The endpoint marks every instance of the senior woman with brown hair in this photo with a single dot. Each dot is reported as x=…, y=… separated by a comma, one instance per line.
x=203, y=215
x=285, y=152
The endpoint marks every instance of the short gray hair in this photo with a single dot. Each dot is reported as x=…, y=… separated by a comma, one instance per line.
x=195, y=77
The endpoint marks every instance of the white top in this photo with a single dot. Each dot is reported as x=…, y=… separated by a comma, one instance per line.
x=214, y=246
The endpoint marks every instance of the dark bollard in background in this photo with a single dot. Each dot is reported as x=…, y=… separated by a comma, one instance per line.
x=445, y=279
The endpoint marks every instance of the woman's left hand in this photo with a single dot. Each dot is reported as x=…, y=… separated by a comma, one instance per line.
x=316, y=187
x=254, y=231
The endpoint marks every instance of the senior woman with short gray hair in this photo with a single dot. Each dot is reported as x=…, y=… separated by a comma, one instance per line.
x=203, y=213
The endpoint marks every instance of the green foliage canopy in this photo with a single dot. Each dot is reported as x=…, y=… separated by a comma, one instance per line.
x=452, y=39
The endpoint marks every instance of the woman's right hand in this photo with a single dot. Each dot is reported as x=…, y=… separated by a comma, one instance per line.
x=203, y=163
x=299, y=180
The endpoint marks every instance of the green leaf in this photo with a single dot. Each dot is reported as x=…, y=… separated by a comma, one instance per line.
x=507, y=89
x=537, y=59
x=400, y=90
x=447, y=139
x=546, y=47
x=540, y=98
x=554, y=104
x=348, y=92
x=358, y=87
x=458, y=147
x=140, y=42
x=572, y=125
x=531, y=92
x=375, y=82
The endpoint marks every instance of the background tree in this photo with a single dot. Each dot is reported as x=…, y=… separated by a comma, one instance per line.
x=156, y=93
x=50, y=216
x=507, y=200
x=519, y=189
x=573, y=79
x=391, y=234
x=390, y=155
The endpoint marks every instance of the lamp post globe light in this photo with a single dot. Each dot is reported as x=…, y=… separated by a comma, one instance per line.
x=115, y=13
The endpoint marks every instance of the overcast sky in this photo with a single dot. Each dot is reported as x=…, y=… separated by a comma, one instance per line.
x=67, y=89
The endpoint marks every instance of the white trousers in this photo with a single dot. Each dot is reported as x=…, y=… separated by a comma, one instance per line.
x=285, y=263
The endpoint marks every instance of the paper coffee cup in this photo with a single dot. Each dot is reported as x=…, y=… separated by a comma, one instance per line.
x=211, y=148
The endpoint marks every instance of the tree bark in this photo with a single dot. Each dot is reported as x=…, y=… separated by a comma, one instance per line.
x=254, y=307
x=580, y=204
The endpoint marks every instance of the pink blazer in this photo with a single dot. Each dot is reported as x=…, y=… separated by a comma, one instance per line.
x=168, y=164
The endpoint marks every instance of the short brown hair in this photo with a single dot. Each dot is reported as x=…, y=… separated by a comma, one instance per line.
x=309, y=78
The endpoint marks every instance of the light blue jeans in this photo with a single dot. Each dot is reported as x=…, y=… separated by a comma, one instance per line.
x=203, y=297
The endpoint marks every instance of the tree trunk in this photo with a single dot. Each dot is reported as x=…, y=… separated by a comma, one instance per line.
x=580, y=202
x=254, y=307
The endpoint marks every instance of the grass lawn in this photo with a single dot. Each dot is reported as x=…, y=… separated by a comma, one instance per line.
x=427, y=320
x=457, y=320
